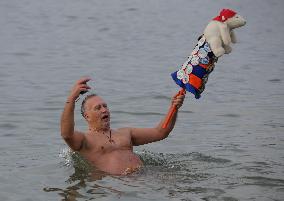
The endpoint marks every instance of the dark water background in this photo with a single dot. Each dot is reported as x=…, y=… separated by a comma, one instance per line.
x=226, y=146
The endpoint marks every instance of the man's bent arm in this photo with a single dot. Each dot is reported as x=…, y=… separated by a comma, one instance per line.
x=147, y=135
x=166, y=131
x=73, y=138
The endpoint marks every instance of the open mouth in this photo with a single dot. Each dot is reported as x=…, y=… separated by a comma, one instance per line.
x=105, y=117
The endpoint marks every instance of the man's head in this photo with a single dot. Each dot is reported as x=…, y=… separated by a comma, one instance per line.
x=95, y=111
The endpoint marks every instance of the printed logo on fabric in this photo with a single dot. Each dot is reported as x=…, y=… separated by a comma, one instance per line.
x=180, y=74
x=201, y=41
x=195, y=60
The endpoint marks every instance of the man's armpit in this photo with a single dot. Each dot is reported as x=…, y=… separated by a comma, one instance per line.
x=83, y=145
x=79, y=137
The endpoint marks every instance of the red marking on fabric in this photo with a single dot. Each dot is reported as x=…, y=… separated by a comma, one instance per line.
x=205, y=66
x=195, y=81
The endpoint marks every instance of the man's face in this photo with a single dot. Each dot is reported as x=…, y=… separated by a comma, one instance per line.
x=97, y=113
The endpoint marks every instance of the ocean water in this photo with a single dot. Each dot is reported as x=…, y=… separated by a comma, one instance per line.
x=228, y=145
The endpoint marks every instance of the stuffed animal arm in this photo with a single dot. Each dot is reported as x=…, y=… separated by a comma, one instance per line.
x=225, y=35
x=233, y=37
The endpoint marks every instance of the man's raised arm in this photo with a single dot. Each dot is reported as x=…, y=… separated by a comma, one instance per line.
x=147, y=135
x=73, y=138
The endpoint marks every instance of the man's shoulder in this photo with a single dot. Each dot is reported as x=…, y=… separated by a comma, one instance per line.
x=123, y=131
x=80, y=133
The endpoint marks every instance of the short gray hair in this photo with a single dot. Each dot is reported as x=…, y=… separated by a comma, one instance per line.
x=83, y=109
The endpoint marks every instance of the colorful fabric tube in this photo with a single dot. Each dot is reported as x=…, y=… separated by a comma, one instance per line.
x=193, y=74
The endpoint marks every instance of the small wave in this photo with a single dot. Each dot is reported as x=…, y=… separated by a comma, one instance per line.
x=74, y=159
x=186, y=111
x=20, y=54
x=177, y=165
x=65, y=154
x=81, y=166
x=47, y=108
x=162, y=97
x=276, y=80
x=8, y=126
x=137, y=113
x=169, y=160
x=177, y=161
x=209, y=159
x=263, y=181
x=150, y=158
x=229, y=115
x=150, y=95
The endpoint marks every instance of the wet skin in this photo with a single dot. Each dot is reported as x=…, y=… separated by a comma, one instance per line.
x=115, y=157
x=107, y=149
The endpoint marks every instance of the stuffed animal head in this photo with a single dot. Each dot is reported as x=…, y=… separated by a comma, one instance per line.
x=231, y=18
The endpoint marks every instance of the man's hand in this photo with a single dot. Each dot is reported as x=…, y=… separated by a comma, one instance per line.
x=80, y=87
x=178, y=101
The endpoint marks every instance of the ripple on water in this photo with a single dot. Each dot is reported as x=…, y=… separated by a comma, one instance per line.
x=276, y=80
x=167, y=161
x=171, y=175
x=230, y=115
x=178, y=168
x=136, y=113
x=8, y=126
x=263, y=181
x=178, y=174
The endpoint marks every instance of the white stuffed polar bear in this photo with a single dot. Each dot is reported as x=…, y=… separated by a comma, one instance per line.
x=215, y=41
x=219, y=32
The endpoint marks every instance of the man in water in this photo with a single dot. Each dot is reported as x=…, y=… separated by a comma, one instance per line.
x=110, y=150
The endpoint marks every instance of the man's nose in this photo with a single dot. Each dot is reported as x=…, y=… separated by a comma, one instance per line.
x=104, y=109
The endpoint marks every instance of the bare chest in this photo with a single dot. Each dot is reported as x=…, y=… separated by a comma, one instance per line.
x=101, y=143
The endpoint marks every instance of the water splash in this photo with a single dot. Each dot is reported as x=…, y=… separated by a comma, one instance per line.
x=74, y=159
x=66, y=155
x=177, y=160
x=167, y=161
x=187, y=172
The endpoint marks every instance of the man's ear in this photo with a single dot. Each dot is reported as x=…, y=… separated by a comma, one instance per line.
x=86, y=116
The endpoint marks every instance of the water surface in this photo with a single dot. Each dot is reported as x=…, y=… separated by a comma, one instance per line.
x=228, y=145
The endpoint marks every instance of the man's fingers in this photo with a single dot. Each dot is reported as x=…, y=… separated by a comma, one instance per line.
x=178, y=101
x=83, y=80
x=85, y=86
x=181, y=97
x=81, y=89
